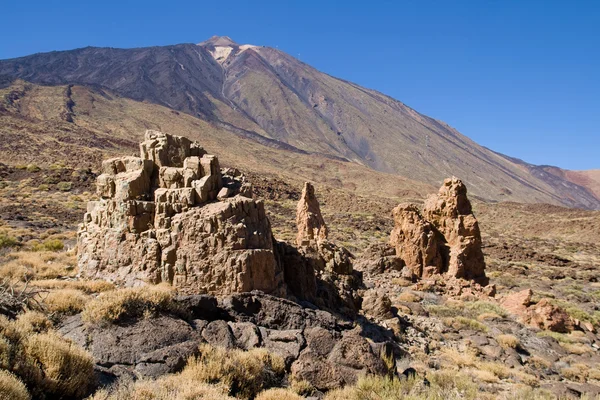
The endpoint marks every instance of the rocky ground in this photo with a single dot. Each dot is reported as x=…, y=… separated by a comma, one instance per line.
x=492, y=343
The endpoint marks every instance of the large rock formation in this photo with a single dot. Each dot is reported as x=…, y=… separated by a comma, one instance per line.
x=445, y=239
x=450, y=211
x=311, y=225
x=418, y=243
x=318, y=270
x=157, y=221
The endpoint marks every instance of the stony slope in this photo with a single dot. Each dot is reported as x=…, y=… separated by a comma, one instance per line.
x=266, y=94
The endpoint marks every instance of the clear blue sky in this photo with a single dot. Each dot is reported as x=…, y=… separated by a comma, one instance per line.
x=520, y=77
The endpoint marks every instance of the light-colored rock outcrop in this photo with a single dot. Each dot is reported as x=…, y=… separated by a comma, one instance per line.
x=444, y=239
x=157, y=221
x=450, y=212
x=311, y=225
x=417, y=242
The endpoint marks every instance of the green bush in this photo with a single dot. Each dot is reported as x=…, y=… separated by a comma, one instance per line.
x=32, y=168
x=49, y=245
x=64, y=186
x=7, y=241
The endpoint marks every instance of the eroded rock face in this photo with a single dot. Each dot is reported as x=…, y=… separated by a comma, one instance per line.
x=450, y=212
x=157, y=221
x=311, y=225
x=318, y=270
x=418, y=243
x=445, y=239
x=316, y=345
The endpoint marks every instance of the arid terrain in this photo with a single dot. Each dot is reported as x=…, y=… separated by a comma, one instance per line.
x=341, y=314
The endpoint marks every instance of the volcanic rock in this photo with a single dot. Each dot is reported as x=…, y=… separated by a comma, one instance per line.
x=311, y=225
x=157, y=221
x=418, y=243
x=450, y=212
x=445, y=239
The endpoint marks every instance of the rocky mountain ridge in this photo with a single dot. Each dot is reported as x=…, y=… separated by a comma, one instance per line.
x=270, y=97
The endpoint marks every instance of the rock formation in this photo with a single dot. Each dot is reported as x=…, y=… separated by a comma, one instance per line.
x=158, y=220
x=445, y=239
x=318, y=270
x=418, y=243
x=311, y=225
x=450, y=211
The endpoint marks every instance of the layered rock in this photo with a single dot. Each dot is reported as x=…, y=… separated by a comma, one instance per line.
x=318, y=270
x=309, y=220
x=451, y=213
x=157, y=221
x=418, y=243
x=445, y=239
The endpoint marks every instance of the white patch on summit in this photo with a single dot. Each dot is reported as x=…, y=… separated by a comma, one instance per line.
x=221, y=53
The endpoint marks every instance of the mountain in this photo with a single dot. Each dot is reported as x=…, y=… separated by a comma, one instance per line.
x=266, y=96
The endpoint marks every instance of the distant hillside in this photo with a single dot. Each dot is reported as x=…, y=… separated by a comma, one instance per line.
x=273, y=99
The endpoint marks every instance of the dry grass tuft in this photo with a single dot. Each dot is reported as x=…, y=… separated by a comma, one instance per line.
x=116, y=305
x=216, y=375
x=32, y=322
x=88, y=287
x=11, y=387
x=409, y=297
x=278, y=394
x=47, y=363
x=66, y=301
x=66, y=368
x=508, y=341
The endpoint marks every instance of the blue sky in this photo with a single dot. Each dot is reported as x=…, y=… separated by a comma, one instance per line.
x=520, y=77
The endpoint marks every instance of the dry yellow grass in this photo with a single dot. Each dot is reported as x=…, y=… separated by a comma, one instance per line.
x=25, y=265
x=245, y=373
x=216, y=375
x=576, y=348
x=47, y=363
x=409, y=297
x=508, y=341
x=93, y=286
x=114, y=305
x=66, y=301
x=32, y=322
x=67, y=368
x=11, y=387
x=458, y=359
x=278, y=394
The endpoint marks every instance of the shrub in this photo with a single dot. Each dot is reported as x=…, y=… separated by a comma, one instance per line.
x=463, y=323
x=508, y=341
x=50, y=245
x=93, y=286
x=67, y=369
x=216, y=375
x=66, y=301
x=119, y=304
x=12, y=387
x=278, y=394
x=447, y=385
x=64, y=186
x=7, y=241
x=32, y=168
x=48, y=364
x=409, y=297
x=243, y=373
x=32, y=322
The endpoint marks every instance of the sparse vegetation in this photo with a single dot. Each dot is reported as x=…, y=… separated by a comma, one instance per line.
x=113, y=306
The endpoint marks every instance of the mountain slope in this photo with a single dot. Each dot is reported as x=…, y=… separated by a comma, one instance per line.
x=270, y=96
